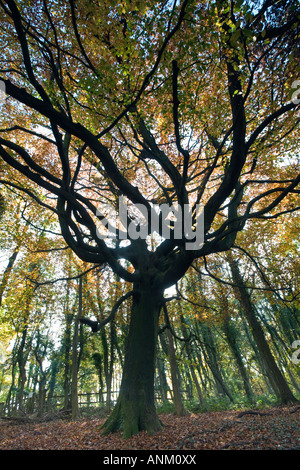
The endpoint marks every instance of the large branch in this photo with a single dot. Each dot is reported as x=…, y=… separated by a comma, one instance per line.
x=17, y=19
x=29, y=161
x=68, y=202
x=79, y=131
x=283, y=193
x=268, y=120
x=152, y=151
x=184, y=152
x=238, y=155
x=95, y=325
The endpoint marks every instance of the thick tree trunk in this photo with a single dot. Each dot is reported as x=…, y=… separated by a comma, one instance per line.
x=135, y=407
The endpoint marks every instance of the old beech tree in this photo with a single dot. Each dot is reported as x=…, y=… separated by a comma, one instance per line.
x=175, y=102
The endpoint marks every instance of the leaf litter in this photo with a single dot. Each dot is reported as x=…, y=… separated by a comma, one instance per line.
x=272, y=429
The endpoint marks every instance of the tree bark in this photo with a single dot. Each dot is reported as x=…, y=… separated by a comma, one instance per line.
x=190, y=358
x=66, y=349
x=7, y=272
x=52, y=381
x=10, y=395
x=211, y=357
x=162, y=379
x=74, y=385
x=21, y=358
x=231, y=336
x=97, y=360
x=178, y=403
x=277, y=380
x=135, y=407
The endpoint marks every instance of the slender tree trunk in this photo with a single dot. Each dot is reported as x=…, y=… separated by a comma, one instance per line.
x=7, y=272
x=13, y=257
x=190, y=358
x=277, y=380
x=97, y=359
x=163, y=384
x=178, y=403
x=10, y=395
x=67, y=351
x=196, y=381
x=135, y=407
x=231, y=336
x=108, y=362
x=108, y=351
x=22, y=354
x=21, y=358
x=202, y=369
x=52, y=381
x=41, y=374
x=211, y=357
x=66, y=348
x=105, y=366
x=42, y=390
x=186, y=385
x=110, y=366
x=74, y=384
x=258, y=358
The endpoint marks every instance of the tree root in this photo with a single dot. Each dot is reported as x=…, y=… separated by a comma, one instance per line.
x=130, y=421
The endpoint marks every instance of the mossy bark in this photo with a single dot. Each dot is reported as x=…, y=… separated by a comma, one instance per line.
x=135, y=407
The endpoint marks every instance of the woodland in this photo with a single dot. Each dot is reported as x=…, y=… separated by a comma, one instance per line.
x=112, y=335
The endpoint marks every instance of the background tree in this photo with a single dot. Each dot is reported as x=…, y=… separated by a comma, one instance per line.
x=193, y=114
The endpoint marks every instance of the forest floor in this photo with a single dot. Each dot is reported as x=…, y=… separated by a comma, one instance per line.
x=270, y=429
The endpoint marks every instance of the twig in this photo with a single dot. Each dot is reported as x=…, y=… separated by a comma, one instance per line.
x=190, y=438
x=238, y=444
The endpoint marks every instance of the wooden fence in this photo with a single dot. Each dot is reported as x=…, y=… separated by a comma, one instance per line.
x=33, y=403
